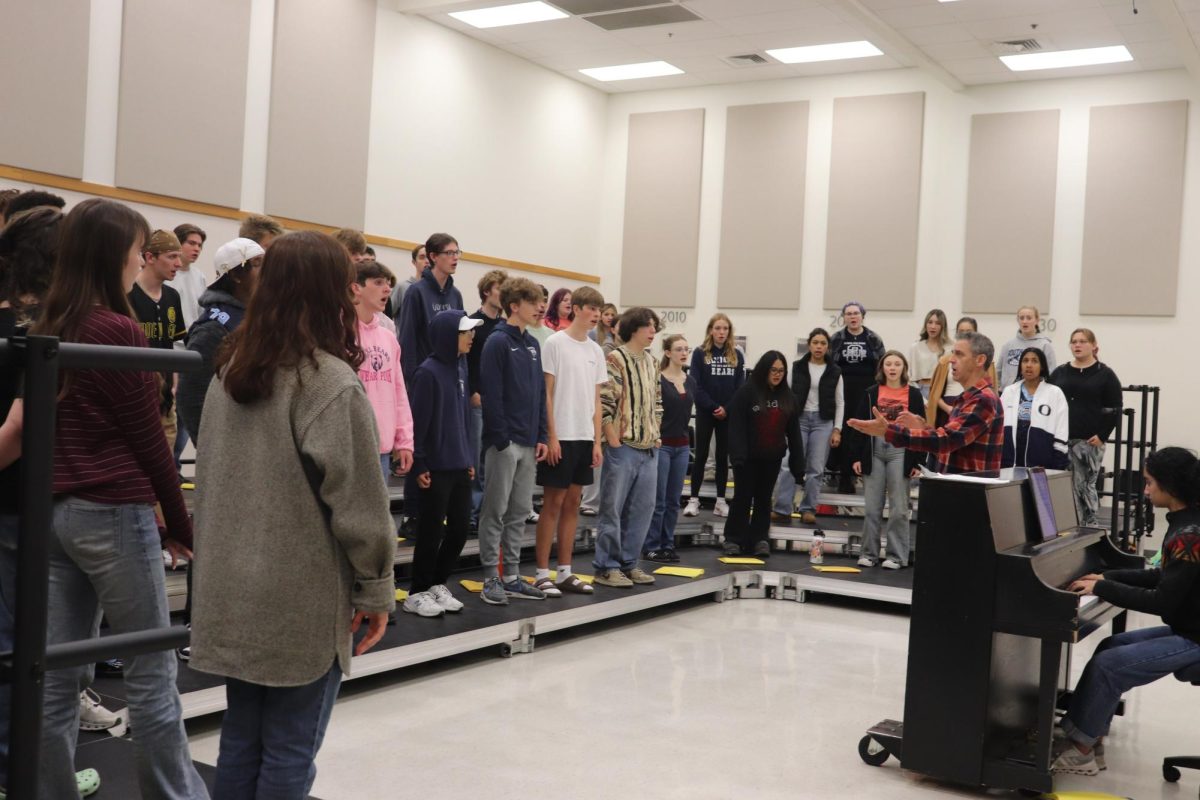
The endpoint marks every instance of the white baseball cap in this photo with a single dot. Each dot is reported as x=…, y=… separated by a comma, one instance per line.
x=232, y=255
x=468, y=323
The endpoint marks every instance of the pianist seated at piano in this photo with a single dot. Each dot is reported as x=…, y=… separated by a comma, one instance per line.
x=1138, y=657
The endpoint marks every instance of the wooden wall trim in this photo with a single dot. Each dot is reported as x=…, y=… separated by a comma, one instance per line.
x=224, y=212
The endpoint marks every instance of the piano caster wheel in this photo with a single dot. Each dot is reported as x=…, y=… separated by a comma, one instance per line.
x=1170, y=774
x=872, y=752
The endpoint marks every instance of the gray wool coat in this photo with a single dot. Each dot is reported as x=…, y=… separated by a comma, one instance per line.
x=278, y=573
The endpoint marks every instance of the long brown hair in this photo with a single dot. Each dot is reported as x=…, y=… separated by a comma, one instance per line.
x=97, y=236
x=667, y=344
x=302, y=305
x=730, y=348
x=881, y=379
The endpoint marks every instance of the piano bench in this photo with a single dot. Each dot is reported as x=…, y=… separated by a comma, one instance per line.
x=1172, y=764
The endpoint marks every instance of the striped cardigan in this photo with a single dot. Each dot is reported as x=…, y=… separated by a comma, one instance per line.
x=631, y=401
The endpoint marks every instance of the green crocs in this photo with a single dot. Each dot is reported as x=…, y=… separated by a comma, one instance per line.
x=87, y=781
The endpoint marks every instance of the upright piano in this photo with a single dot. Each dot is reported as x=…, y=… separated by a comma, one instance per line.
x=991, y=630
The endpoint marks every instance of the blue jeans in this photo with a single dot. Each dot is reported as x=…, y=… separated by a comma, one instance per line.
x=815, y=433
x=1120, y=663
x=385, y=464
x=108, y=558
x=475, y=440
x=8, y=606
x=672, y=467
x=628, y=484
x=270, y=737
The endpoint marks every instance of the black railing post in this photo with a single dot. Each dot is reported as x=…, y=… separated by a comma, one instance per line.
x=37, y=505
x=1127, y=490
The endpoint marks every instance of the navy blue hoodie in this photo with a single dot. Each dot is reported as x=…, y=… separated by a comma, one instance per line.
x=437, y=394
x=513, y=389
x=422, y=301
x=717, y=380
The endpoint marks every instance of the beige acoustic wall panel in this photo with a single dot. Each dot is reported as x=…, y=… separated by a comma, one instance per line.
x=43, y=84
x=762, y=208
x=874, y=195
x=1133, y=210
x=1010, y=211
x=321, y=110
x=183, y=98
x=662, y=209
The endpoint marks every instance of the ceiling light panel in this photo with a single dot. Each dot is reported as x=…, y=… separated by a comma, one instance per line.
x=580, y=7
x=625, y=72
x=514, y=14
x=1062, y=59
x=825, y=52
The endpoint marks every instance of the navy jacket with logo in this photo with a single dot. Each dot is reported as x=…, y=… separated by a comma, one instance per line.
x=423, y=300
x=512, y=389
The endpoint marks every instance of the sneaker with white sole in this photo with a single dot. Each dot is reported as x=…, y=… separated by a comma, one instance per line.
x=493, y=592
x=866, y=561
x=891, y=563
x=721, y=509
x=532, y=518
x=523, y=591
x=692, y=509
x=95, y=717
x=447, y=601
x=423, y=604
x=1073, y=762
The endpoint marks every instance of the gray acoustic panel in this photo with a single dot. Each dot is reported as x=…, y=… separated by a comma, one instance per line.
x=1133, y=211
x=762, y=209
x=43, y=91
x=182, y=114
x=874, y=199
x=321, y=110
x=1010, y=211
x=661, y=15
x=601, y=6
x=662, y=209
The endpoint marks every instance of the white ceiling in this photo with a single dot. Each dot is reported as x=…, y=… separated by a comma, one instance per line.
x=954, y=41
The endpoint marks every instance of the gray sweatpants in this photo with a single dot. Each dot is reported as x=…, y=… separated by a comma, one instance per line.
x=509, y=476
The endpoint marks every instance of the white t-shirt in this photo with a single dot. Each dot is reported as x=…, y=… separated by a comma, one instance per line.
x=578, y=368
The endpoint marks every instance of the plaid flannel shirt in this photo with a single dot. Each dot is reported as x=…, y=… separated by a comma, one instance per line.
x=972, y=440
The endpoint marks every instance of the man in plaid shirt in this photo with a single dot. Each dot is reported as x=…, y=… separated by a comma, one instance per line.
x=973, y=438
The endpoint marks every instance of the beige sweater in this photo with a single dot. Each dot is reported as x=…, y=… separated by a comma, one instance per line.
x=277, y=574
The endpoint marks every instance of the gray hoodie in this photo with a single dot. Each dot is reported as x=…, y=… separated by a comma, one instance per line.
x=1008, y=358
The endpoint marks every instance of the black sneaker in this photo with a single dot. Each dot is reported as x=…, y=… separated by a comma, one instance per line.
x=762, y=549
x=669, y=555
x=659, y=556
x=732, y=549
x=113, y=668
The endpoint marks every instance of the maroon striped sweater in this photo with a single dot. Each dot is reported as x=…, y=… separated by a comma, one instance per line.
x=110, y=446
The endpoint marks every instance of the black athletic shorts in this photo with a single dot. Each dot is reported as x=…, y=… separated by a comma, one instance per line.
x=575, y=467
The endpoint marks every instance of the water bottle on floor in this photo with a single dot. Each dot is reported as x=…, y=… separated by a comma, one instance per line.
x=816, y=552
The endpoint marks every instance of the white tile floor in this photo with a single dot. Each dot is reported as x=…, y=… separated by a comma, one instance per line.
x=745, y=699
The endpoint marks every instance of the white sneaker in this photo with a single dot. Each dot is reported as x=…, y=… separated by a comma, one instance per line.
x=866, y=561
x=180, y=561
x=692, y=509
x=890, y=563
x=532, y=518
x=423, y=604
x=447, y=601
x=95, y=717
x=721, y=509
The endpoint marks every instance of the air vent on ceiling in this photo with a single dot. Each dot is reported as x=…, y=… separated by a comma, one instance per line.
x=745, y=60
x=1014, y=46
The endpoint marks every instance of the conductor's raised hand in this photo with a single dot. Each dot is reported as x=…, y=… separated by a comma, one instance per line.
x=870, y=427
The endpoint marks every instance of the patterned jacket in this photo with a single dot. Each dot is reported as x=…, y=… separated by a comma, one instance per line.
x=631, y=401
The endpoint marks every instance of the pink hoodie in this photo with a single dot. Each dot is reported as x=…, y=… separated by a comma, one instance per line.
x=381, y=377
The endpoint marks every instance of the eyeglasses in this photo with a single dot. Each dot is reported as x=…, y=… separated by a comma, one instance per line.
x=451, y=253
x=779, y=370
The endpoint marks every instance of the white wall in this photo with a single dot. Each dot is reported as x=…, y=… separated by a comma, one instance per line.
x=1141, y=350
x=493, y=149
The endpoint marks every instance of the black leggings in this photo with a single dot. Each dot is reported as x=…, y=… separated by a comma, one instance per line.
x=705, y=426
x=754, y=484
x=442, y=526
